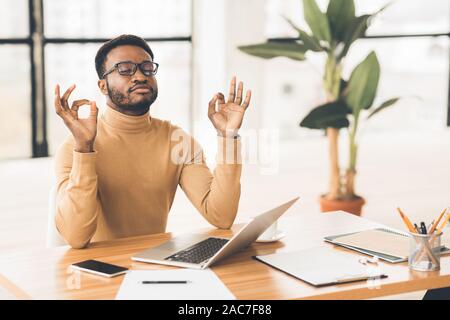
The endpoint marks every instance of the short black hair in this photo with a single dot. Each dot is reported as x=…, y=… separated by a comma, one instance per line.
x=122, y=40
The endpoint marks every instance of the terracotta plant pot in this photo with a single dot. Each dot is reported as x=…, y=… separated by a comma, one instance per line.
x=353, y=206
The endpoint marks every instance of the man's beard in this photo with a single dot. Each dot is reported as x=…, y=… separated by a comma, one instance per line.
x=123, y=101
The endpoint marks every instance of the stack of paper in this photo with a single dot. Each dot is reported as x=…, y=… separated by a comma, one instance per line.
x=201, y=285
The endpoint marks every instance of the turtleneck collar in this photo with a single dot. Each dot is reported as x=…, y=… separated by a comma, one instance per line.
x=124, y=122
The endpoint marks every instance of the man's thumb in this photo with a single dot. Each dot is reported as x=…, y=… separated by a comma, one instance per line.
x=94, y=109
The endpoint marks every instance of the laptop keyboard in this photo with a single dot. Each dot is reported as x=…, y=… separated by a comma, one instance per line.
x=199, y=252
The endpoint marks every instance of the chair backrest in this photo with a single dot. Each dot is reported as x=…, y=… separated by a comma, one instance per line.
x=54, y=239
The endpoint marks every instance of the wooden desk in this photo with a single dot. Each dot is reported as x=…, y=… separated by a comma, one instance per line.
x=44, y=274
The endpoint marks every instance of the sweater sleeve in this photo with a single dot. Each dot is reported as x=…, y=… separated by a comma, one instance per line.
x=215, y=195
x=77, y=203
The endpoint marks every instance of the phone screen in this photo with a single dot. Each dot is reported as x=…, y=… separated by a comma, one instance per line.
x=99, y=267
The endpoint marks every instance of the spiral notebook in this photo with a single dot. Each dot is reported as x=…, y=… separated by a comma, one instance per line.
x=387, y=244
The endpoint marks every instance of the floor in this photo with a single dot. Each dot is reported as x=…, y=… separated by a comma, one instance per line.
x=407, y=170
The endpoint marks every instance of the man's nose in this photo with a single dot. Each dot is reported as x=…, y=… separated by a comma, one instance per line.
x=139, y=76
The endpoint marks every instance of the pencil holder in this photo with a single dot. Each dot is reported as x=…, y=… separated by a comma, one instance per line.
x=425, y=252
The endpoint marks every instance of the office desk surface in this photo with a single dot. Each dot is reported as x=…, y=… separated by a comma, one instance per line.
x=45, y=273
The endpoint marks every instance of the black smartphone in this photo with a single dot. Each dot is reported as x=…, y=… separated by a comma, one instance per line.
x=99, y=268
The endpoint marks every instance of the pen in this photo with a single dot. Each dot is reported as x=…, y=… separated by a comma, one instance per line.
x=438, y=232
x=416, y=227
x=423, y=228
x=166, y=282
x=359, y=278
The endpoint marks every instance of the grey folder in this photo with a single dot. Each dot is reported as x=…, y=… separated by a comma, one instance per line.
x=321, y=266
x=377, y=243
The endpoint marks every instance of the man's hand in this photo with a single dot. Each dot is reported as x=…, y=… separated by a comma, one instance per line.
x=83, y=130
x=227, y=116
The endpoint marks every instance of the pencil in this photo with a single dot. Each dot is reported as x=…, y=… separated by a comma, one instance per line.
x=437, y=233
x=407, y=222
x=437, y=222
x=443, y=223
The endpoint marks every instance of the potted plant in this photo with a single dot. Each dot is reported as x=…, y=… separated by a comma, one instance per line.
x=348, y=102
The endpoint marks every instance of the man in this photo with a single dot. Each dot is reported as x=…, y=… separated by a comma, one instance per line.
x=117, y=174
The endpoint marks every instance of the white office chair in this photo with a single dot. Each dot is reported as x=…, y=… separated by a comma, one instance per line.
x=54, y=239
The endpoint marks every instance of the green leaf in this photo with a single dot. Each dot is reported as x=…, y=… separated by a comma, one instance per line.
x=292, y=24
x=356, y=29
x=383, y=106
x=309, y=42
x=363, y=84
x=317, y=20
x=268, y=50
x=382, y=8
x=340, y=14
x=332, y=114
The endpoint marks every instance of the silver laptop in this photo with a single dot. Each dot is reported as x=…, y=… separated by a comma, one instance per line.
x=200, y=252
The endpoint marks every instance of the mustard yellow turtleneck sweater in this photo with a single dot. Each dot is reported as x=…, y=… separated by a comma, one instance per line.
x=127, y=185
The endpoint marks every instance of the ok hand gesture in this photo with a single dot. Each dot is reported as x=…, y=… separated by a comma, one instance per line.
x=83, y=130
x=227, y=116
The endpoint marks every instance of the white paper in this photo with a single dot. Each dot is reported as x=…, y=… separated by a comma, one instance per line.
x=202, y=285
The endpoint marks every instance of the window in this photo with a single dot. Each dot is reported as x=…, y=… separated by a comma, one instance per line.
x=401, y=17
x=66, y=36
x=415, y=69
x=14, y=19
x=109, y=18
x=411, y=39
x=15, y=112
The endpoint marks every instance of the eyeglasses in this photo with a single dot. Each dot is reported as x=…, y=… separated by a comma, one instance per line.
x=128, y=68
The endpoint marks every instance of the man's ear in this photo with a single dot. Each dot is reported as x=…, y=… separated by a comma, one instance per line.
x=102, y=85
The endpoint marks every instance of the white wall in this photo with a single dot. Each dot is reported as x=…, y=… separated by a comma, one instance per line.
x=219, y=27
